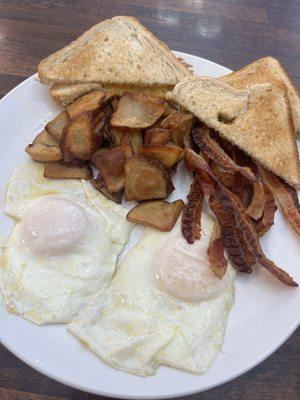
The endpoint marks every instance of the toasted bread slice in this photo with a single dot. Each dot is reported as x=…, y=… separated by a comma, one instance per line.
x=116, y=51
x=65, y=94
x=266, y=70
x=257, y=120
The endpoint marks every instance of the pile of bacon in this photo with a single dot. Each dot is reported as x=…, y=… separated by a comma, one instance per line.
x=241, y=196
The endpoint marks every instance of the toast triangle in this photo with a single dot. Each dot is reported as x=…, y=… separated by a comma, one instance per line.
x=117, y=51
x=257, y=120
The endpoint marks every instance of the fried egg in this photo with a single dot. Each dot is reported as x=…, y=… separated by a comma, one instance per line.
x=62, y=250
x=164, y=306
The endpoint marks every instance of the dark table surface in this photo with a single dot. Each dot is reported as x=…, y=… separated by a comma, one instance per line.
x=229, y=32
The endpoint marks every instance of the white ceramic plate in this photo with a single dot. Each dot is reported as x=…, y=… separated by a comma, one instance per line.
x=264, y=315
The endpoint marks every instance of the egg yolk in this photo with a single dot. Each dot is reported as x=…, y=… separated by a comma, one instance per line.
x=183, y=270
x=53, y=226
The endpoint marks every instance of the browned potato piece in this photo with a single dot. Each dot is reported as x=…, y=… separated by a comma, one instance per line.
x=44, y=148
x=158, y=214
x=77, y=139
x=99, y=185
x=154, y=136
x=124, y=136
x=100, y=122
x=111, y=165
x=137, y=110
x=45, y=138
x=41, y=152
x=88, y=102
x=59, y=170
x=56, y=126
x=169, y=110
x=180, y=124
x=167, y=155
x=146, y=179
x=96, y=153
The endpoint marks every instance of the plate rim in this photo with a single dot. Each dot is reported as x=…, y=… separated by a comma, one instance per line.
x=43, y=369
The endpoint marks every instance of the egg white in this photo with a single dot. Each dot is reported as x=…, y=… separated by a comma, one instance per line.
x=53, y=288
x=136, y=326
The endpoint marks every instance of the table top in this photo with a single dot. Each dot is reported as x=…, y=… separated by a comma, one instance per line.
x=231, y=33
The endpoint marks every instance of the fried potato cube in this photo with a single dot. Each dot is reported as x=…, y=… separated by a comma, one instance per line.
x=57, y=125
x=146, y=179
x=89, y=102
x=179, y=124
x=41, y=152
x=77, y=139
x=157, y=136
x=99, y=185
x=167, y=155
x=158, y=214
x=120, y=136
x=44, y=148
x=137, y=110
x=111, y=165
x=45, y=138
x=59, y=170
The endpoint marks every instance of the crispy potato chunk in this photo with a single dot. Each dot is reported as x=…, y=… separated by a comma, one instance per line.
x=167, y=155
x=111, y=165
x=44, y=148
x=179, y=124
x=146, y=179
x=77, y=139
x=121, y=136
x=99, y=185
x=88, y=102
x=100, y=123
x=45, y=138
x=157, y=136
x=138, y=110
x=57, y=125
x=158, y=214
x=41, y=152
x=59, y=170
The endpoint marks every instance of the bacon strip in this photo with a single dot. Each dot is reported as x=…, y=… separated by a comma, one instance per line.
x=214, y=151
x=286, y=197
x=256, y=207
x=215, y=253
x=191, y=215
x=267, y=220
x=236, y=229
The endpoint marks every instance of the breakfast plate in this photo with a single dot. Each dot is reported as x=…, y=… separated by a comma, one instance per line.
x=264, y=315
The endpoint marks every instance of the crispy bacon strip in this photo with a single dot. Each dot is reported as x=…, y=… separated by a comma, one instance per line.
x=286, y=197
x=256, y=207
x=235, y=225
x=267, y=220
x=191, y=215
x=231, y=239
x=202, y=139
x=215, y=253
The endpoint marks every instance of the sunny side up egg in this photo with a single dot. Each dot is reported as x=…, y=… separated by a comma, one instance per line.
x=164, y=306
x=62, y=250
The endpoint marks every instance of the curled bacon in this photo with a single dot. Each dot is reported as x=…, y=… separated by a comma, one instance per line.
x=232, y=241
x=286, y=197
x=206, y=144
x=215, y=253
x=235, y=225
x=267, y=220
x=191, y=215
x=256, y=207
